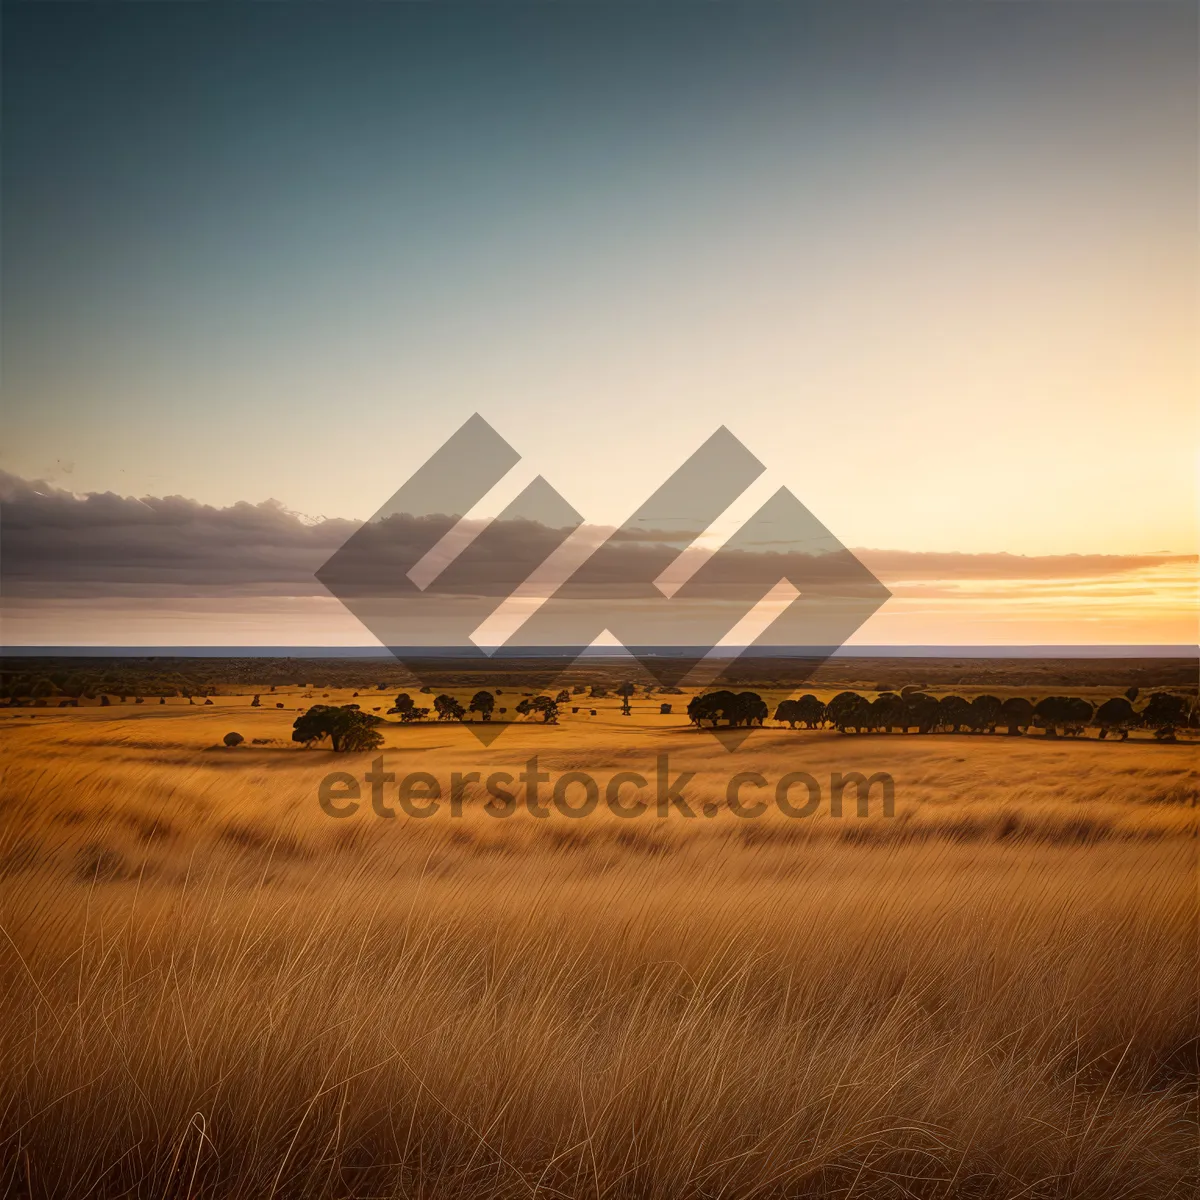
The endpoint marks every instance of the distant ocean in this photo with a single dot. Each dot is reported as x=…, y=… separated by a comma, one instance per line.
x=604, y=652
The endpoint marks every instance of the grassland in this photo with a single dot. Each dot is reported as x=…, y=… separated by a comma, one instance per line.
x=212, y=988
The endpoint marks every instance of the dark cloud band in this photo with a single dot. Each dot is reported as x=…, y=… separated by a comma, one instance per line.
x=58, y=544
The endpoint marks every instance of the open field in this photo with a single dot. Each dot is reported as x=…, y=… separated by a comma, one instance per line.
x=213, y=988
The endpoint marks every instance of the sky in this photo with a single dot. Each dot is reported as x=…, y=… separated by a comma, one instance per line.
x=936, y=265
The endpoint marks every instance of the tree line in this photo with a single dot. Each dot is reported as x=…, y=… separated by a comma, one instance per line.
x=1057, y=716
x=349, y=728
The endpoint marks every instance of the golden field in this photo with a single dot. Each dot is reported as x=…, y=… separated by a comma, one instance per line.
x=212, y=988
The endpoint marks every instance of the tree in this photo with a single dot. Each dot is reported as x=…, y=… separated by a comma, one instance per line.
x=712, y=707
x=848, y=710
x=42, y=689
x=955, y=713
x=988, y=711
x=404, y=706
x=255, y=703
x=563, y=697
x=542, y=704
x=807, y=711
x=749, y=708
x=360, y=736
x=1017, y=714
x=346, y=727
x=233, y=739
x=483, y=703
x=625, y=690
x=923, y=710
x=1116, y=716
x=889, y=712
x=1050, y=714
x=448, y=709
x=1077, y=715
x=1164, y=714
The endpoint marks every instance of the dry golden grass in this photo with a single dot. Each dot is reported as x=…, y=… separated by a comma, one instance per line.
x=213, y=989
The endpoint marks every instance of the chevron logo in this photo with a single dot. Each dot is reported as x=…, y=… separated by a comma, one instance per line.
x=424, y=578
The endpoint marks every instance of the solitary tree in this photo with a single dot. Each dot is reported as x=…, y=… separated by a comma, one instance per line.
x=346, y=728
x=403, y=706
x=233, y=739
x=625, y=690
x=482, y=703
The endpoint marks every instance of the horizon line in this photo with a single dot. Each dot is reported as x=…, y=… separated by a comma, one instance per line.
x=1128, y=650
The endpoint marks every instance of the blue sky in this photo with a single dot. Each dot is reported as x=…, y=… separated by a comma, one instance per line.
x=934, y=264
